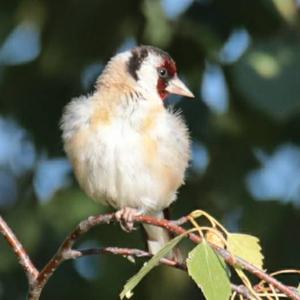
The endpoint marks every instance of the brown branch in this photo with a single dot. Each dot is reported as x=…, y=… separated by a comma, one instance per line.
x=21, y=254
x=228, y=257
x=37, y=281
x=128, y=252
x=137, y=253
x=286, y=290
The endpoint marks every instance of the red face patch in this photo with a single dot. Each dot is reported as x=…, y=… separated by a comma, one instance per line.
x=170, y=67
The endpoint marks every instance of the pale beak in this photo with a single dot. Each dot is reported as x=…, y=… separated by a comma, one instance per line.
x=177, y=87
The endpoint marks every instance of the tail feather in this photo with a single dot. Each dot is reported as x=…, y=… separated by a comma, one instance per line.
x=157, y=237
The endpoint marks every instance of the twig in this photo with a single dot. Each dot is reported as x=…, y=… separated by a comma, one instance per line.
x=37, y=280
x=228, y=257
x=65, y=252
x=129, y=252
x=181, y=221
x=21, y=254
x=137, y=253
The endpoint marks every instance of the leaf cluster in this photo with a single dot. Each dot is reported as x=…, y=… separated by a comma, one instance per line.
x=209, y=270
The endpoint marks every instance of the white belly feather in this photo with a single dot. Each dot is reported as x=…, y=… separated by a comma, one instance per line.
x=122, y=165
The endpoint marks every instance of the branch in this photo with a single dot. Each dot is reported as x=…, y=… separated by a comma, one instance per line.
x=21, y=254
x=37, y=280
x=137, y=253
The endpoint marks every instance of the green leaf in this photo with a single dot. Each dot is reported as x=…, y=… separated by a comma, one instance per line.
x=208, y=270
x=287, y=9
x=266, y=74
x=153, y=262
x=298, y=289
x=247, y=247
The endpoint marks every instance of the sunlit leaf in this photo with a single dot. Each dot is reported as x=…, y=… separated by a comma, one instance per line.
x=287, y=9
x=153, y=262
x=266, y=77
x=208, y=270
x=215, y=238
x=247, y=247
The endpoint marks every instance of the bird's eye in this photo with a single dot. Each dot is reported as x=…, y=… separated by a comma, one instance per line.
x=163, y=73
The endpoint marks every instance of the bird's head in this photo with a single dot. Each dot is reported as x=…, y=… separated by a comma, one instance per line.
x=148, y=70
x=155, y=70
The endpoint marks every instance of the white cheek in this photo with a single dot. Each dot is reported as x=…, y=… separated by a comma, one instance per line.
x=148, y=76
x=147, y=79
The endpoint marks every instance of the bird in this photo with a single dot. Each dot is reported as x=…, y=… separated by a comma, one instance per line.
x=126, y=148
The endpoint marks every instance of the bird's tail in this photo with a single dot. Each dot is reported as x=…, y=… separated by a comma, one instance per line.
x=157, y=237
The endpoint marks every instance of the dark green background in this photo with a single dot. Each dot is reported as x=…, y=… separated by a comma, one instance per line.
x=262, y=118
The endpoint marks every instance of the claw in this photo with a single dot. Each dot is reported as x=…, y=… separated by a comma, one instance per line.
x=126, y=216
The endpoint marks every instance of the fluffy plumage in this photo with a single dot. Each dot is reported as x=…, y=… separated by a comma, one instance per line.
x=126, y=149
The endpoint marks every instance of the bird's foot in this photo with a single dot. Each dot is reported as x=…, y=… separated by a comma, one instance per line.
x=126, y=217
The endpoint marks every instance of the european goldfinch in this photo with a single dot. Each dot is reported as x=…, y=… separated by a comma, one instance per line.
x=126, y=148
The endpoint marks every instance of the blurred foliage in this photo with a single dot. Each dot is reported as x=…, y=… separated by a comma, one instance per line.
x=263, y=113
